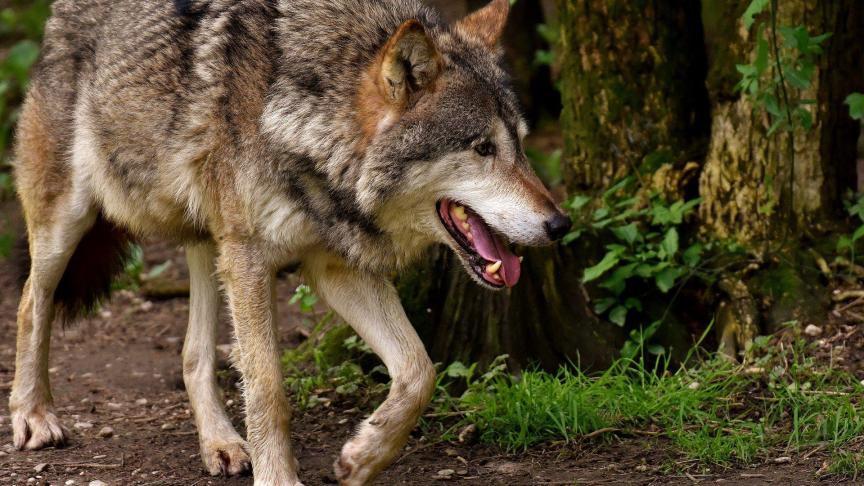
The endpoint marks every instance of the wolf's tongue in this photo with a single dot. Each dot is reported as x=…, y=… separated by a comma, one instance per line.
x=491, y=248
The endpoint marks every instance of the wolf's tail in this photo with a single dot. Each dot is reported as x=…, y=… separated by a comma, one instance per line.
x=100, y=256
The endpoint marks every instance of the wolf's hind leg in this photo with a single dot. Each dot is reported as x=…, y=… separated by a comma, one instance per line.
x=52, y=244
x=222, y=448
x=372, y=307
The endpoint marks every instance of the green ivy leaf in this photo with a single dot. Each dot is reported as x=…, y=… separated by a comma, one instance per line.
x=670, y=243
x=602, y=305
x=610, y=260
x=856, y=105
x=666, y=279
x=693, y=255
x=617, y=282
x=755, y=8
x=629, y=234
x=619, y=315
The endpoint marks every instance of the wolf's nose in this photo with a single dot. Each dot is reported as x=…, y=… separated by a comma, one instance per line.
x=558, y=226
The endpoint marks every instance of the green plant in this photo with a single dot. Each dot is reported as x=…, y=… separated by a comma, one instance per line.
x=848, y=243
x=646, y=244
x=304, y=298
x=714, y=412
x=855, y=101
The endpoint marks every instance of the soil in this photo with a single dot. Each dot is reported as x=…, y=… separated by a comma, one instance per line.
x=104, y=368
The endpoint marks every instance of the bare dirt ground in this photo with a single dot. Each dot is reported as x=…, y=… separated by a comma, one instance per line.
x=121, y=369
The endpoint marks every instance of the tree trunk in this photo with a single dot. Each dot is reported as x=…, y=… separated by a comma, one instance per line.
x=746, y=179
x=633, y=73
x=621, y=103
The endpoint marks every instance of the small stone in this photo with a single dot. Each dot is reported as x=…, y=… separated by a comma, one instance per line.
x=451, y=452
x=70, y=482
x=31, y=480
x=83, y=425
x=53, y=370
x=146, y=306
x=113, y=406
x=812, y=330
x=141, y=402
x=40, y=467
x=105, y=314
x=783, y=460
x=106, y=432
x=694, y=386
x=167, y=426
x=462, y=472
x=96, y=483
x=446, y=473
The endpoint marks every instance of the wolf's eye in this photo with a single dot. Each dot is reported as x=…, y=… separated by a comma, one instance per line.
x=485, y=149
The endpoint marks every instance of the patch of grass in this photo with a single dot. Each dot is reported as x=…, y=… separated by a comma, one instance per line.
x=716, y=412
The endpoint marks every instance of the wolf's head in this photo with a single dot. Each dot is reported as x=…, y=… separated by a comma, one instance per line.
x=440, y=117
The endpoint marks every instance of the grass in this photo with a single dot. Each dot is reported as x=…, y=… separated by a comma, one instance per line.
x=716, y=412
x=710, y=410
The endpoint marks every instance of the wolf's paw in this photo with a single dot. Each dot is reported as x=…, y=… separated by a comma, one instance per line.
x=225, y=458
x=355, y=466
x=36, y=430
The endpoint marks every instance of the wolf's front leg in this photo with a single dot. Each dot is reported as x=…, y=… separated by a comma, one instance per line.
x=249, y=283
x=372, y=307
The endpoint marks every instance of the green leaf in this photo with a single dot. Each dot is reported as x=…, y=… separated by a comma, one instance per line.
x=856, y=105
x=617, y=282
x=578, y=202
x=571, y=237
x=761, y=62
x=602, y=305
x=755, y=8
x=619, y=315
x=858, y=234
x=629, y=233
x=610, y=260
x=693, y=255
x=805, y=117
x=19, y=59
x=666, y=279
x=656, y=349
x=634, y=304
x=669, y=246
x=844, y=243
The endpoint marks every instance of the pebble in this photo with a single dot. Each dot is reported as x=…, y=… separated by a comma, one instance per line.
x=783, y=460
x=812, y=330
x=106, y=432
x=31, y=480
x=83, y=425
x=694, y=386
x=97, y=483
x=40, y=467
x=446, y=473
x=141, y=401
x=167, y=426
x=70, y=482
x=113, y=406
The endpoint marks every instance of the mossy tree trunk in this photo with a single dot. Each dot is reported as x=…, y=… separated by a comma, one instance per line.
x=745, y=183
x=633, y=73
x=631, y=85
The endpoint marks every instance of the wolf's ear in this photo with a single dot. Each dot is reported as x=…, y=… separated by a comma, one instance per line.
x=410, y=63
x=487, y=24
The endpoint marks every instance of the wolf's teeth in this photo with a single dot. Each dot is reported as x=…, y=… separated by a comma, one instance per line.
x=493, y=268
x=521, y=259
x=459, y=212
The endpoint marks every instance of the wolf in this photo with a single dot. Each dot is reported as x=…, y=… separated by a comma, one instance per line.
x=343, y=136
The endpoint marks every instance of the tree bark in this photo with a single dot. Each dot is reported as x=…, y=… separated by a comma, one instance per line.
x=745, y=183
x=634, y=74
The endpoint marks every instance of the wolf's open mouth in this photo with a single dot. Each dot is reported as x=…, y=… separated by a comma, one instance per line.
x=487, y=255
